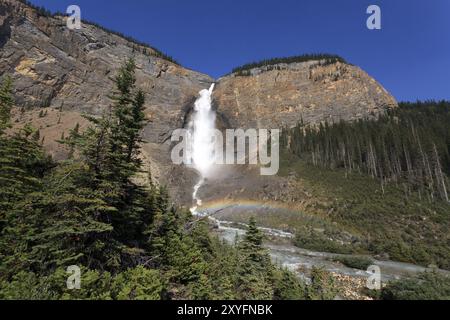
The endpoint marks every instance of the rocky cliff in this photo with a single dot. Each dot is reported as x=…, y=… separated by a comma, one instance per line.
x=281, y=95
x=68, y=72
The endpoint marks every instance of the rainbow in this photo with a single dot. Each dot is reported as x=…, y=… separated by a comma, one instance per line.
x=222, y=204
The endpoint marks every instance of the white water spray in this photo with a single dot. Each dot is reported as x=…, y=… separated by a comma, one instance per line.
x=202, y=128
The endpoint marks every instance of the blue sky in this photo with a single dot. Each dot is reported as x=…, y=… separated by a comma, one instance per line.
x=410, y=56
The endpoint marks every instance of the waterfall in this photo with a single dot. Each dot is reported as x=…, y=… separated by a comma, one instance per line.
x=202, y=128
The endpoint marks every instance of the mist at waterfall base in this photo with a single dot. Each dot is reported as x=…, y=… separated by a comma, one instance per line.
x=202, y=127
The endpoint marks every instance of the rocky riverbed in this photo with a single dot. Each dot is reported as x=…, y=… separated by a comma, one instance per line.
x=351, y=281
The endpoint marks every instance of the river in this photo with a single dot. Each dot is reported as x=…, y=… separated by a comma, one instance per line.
x=298, y=260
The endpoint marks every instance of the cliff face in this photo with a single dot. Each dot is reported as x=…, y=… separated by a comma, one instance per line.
x=281, y=95
x=71, y=70
x=67, y=72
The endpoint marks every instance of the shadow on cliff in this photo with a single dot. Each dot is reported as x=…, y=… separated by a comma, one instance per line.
x=5, y=28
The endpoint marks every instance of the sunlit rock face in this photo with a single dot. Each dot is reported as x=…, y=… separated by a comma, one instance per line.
x=287, y=93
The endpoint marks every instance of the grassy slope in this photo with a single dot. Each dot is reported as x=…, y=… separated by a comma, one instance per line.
x=407, y=229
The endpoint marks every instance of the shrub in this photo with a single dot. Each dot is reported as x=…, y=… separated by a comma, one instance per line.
x=311, y=240
x=289, y=287
x=361, y=263
x=138, y=284
x=426, y=286
x=323, y=285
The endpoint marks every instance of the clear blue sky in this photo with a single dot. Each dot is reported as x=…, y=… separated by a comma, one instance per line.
x=410, y=56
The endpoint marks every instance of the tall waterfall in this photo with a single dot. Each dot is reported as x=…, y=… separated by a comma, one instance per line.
x=202, y=128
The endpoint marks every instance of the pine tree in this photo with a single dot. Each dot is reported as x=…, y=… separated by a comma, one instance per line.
x=128, y=120
x=6, y=103
x=173, y=248
x=289, y=287
x=139, y=284
x=252, y=245
x=23, y=163
x=255, y=269
x=322, y=286
x=86, y=211
x=60, y=224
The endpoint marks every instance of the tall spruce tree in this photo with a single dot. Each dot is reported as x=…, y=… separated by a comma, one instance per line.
x=88, y=210
x=22, y=166
x=6, y=103
x=22, y=161
x=255, y=269
x=128, y=119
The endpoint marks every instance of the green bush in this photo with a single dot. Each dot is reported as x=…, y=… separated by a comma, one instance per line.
x=25, y=286
x=288, y=287
x=138, y=284
x=323, y=285
x=316, y=241
x=426, y=286
x=361, y=263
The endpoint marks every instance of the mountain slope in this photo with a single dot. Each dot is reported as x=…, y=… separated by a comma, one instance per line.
x=69, y=72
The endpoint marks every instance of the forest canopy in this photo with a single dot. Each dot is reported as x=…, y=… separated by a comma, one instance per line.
x=327, y=58
x=410, y=146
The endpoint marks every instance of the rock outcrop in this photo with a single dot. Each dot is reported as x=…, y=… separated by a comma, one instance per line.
x=281, y=95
